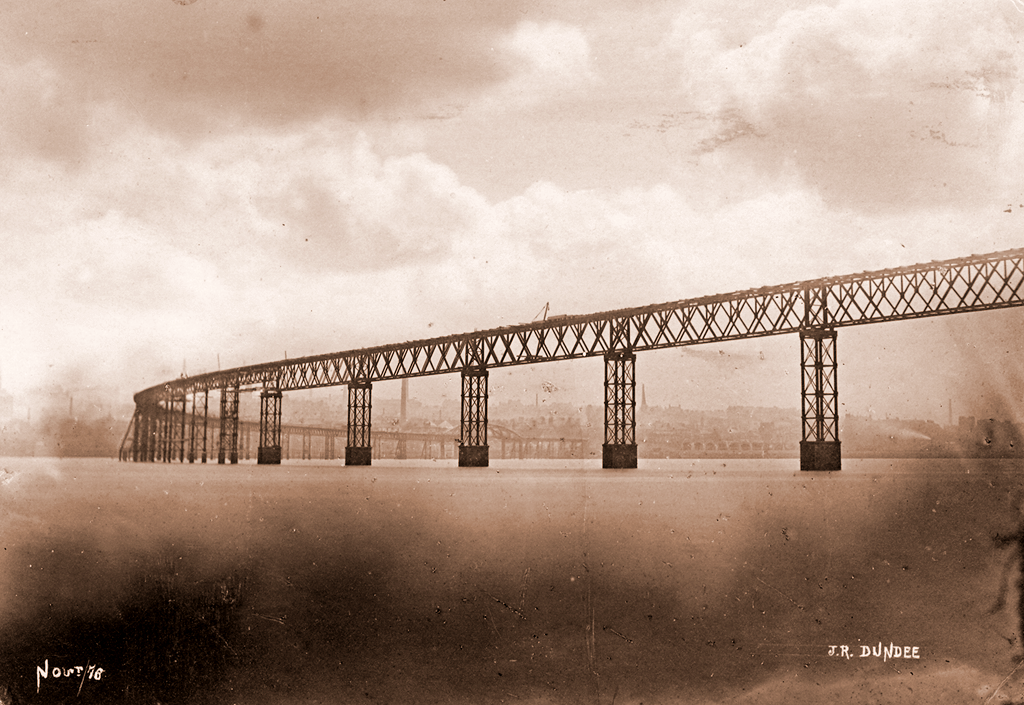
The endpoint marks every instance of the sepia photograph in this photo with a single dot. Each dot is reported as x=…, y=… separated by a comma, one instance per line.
x=474, y=352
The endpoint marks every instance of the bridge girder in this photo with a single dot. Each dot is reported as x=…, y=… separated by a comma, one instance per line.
x=976, y=283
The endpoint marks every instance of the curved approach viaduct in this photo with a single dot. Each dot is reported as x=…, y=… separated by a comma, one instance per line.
x=163, y=427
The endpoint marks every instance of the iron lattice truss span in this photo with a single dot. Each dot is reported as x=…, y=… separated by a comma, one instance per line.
x=975, y=283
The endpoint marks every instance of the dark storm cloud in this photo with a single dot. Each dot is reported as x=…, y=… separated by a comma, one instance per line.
x=189, y=66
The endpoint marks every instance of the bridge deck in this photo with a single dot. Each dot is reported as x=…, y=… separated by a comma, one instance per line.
x=978, y=282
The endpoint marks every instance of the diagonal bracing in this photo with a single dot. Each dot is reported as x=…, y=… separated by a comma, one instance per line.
x=975, y=283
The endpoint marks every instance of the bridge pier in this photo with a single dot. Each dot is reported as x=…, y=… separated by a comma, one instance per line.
x=165, y=430
x=161, y=432
x=269, y=451
x=619, y=449
x=192, y=432
x=168, y=419
x=173, y=436
x=147, y=437
x=358, y=451
x=135, y=424
x=147, y=430
x=228, y=447
x=819, y=444
x=206, y=416
x=178, y=451
x=141, y=437
x=473, y=449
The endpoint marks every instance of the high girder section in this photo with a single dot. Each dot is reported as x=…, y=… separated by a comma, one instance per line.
x=975, y=283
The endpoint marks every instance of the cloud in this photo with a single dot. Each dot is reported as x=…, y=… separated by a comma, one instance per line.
x=247, y=246
x=41, y=114
x=876, y=105
x=553, y=58
x=349, y=210
x=312, y=239
x=211, y=65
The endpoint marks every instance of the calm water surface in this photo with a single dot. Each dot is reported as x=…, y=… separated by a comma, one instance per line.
x=420, y=582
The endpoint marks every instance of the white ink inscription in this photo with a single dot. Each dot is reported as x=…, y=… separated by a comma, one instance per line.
x=86, y=672
x=885, y=653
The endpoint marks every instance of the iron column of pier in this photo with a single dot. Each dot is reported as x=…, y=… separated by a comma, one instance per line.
x=228, y=447
x=182, y=440
x=269, y=451
x=140, y=432
x=192, y=431
x=156, y=438
x=164, y=433
x=206, y=417
x=473, y=450
x=359, y=451
x=619, y=450
x=819, y=397
x=166, y=430
x=146, y=438
x=136, y=428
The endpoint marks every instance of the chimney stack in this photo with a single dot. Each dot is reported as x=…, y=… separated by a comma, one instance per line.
x=405, y=403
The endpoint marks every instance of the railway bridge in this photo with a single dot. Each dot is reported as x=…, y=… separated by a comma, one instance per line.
x=167, y=415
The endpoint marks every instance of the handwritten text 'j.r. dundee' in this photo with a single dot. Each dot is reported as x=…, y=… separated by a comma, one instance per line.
x=87, y=672
x=883, y=652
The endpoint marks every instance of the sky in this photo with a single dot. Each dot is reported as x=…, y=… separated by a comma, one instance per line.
x=189, y=185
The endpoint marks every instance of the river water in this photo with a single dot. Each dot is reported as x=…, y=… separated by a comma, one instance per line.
x=530, y=581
